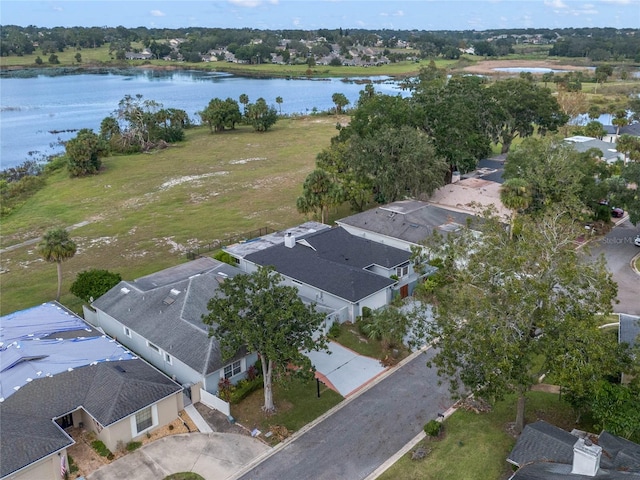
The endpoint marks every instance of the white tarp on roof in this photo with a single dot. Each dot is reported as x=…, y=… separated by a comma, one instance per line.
x=25, y=357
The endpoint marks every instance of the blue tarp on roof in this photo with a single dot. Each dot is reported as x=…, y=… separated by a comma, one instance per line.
x=25, y=357
x=38, y=322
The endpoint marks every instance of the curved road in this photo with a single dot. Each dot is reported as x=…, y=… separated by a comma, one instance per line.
x=365, y=432
x=618, y=249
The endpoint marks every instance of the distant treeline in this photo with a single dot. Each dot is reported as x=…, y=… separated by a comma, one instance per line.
x=599, y=44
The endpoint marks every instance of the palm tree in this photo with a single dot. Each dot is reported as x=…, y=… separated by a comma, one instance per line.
x=319, y=193
x=244, y=100
x=56, y=246
x=620, y=120
x=515, y=194
x=279, y=102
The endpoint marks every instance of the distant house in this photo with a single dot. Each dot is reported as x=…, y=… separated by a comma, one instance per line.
x=159, y=317
x=544, y=451
x=583, y=144
x=59, y=373
x=144, y=55
x=631, y=129
x=331, y=266
x=404, y=224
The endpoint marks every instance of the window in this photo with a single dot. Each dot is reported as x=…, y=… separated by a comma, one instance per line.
x=402, y=271
x=233, y=369
x=167, y=358
x=153, y=347
x=127, y=332
x=144, y=420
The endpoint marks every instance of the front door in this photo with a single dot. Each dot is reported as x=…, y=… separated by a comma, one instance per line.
x=404, y=291
x=66, y=421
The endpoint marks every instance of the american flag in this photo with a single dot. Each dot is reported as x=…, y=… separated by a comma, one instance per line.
x=63, y=466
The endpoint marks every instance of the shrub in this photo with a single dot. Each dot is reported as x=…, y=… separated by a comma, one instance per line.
x=432, y=428
x=223, y=256
x=131, y=446
x=243, y=389
x=366, y=312
x=334, y=331
x=252, y=373
x=94, y=283
x=225, y=387
x=101, y=448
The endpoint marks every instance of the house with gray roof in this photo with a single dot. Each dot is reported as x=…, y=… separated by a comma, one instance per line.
x=405, y=223
x=159, y=317
x=332, y=267
x=59, y=373
x=583, y=144
x=544, y=451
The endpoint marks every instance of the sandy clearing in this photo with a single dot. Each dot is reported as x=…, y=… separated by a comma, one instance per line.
x=189, y=178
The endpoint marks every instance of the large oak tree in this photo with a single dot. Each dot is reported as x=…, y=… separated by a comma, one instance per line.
x=509, y=301
x=255, y=311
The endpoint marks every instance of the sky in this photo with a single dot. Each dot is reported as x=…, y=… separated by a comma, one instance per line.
x=314, y=14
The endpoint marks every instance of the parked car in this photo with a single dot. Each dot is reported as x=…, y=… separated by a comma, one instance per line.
x=617, y=212
x=636, y=241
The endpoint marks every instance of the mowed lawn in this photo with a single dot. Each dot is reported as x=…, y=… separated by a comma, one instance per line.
x=145, y=210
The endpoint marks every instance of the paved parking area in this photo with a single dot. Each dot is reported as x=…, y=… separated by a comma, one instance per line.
x=214, y=456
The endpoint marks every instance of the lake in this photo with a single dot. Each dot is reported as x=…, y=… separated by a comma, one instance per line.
x=32, y=108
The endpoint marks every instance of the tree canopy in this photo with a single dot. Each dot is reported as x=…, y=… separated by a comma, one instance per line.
x=508, y=301
x=256, y=311
x=93, y=283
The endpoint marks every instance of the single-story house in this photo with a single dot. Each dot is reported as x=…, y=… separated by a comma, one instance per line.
x=582, y=144
x=59, y=373
x=404, y=224
x=330, y=266
x=159, y=317
x=544, y=451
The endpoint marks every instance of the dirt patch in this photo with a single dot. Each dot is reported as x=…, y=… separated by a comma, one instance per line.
x=87, y=459
x=486, y=67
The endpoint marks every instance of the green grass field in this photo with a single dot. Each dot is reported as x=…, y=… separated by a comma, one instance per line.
x=145, y=210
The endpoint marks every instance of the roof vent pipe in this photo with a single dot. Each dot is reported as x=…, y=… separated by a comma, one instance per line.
x=289, y=240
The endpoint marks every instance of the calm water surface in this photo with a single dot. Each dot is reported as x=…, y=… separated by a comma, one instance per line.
x=32, y=108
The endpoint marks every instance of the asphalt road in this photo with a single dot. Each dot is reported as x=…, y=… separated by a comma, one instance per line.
x=358, y=438
x=618, y=249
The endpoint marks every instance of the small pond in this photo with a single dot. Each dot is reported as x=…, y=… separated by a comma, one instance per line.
x=529, y=69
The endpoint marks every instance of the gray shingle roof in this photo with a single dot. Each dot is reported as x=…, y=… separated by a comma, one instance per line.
x=542, y=442
x=108, y=393
x=334, y=262
x=176, y=328
x=544, y=451
x=629, y=329
x=409, y=220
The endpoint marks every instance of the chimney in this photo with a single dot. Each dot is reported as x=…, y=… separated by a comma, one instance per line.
x=289, y=240
x=586, y=457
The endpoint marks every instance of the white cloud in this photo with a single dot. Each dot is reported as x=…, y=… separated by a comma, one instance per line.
x=246, y=3
x=555, y=3
x=399, y=13
x=57, y=9
x=274, y=2
x=296, y=21
x=158, y=13
x=619, y=2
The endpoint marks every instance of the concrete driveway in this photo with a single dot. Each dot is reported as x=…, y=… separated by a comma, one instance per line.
x=214, y=456
x=344, y=370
